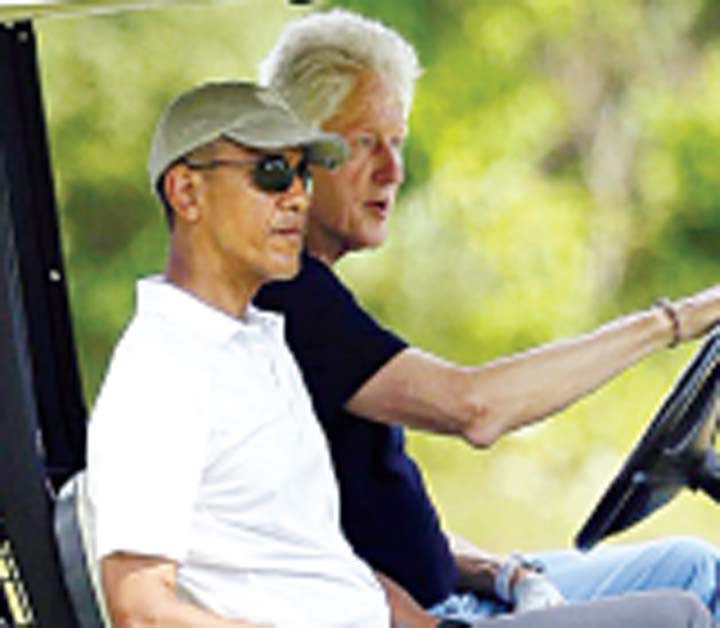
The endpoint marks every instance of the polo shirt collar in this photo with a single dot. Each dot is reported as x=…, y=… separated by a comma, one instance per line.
x=157, y=295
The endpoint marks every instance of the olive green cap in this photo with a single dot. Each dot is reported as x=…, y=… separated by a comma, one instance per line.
x=253, y=116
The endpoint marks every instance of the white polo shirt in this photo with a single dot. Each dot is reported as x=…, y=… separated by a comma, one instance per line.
x=204, y=449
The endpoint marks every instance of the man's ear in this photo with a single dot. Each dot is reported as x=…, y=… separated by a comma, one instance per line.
x=181, y=190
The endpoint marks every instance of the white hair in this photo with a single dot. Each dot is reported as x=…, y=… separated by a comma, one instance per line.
x=317, y=59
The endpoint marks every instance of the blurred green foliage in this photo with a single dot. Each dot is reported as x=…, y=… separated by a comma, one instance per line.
x=562, y=169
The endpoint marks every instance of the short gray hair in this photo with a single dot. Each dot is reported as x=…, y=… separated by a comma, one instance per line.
x=317, y=59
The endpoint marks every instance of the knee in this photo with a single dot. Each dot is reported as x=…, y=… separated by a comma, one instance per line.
x=703, y=561
x=690, y=610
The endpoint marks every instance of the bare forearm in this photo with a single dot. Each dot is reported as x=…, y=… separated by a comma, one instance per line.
x=528, y=387
x=142, y=592
x=484, y=402
x=476, y=568
x=509, y=579
x=524, y=388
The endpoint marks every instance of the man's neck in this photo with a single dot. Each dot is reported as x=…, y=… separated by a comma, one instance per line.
x=324, y=249
x=211, y=286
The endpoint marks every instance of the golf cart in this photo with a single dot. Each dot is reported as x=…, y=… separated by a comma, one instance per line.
x=42, y=418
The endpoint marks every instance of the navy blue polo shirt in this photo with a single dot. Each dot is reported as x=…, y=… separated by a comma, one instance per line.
x=386, y=513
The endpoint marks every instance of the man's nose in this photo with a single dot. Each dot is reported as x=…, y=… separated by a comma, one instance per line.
x=297, y=198
x=390, y=168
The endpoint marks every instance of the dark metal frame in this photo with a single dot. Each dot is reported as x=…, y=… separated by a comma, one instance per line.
x=42, y=414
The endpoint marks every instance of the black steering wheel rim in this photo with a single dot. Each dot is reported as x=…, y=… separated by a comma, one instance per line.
x=675, y=451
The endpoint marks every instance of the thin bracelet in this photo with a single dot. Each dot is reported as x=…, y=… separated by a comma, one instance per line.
x=671, y=312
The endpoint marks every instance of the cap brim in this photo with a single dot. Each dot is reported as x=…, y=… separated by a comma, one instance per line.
x=269, y=131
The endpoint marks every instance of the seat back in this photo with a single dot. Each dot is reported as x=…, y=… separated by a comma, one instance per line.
x=73, y=530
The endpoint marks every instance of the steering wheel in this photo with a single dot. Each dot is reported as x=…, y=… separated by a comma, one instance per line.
x=675, y=451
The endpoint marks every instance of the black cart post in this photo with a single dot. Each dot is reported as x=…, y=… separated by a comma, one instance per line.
x=42, y=415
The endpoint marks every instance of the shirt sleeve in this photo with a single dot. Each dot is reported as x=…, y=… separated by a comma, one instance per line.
x=336, y=343
x=146, y=450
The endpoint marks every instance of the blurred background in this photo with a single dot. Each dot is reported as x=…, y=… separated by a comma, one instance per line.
x=563, y=168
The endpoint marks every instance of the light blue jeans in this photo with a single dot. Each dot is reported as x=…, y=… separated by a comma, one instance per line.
x=676, y=563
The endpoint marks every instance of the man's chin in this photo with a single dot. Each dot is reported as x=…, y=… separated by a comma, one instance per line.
x=371, y=241
x=286, y=271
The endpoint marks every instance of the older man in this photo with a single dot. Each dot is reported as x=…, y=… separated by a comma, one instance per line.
x=355, y=77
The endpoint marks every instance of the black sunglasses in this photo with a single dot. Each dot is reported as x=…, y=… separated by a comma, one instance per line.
x=271, y=173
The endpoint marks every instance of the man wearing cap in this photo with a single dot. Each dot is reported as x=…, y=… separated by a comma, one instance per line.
x=212, y=487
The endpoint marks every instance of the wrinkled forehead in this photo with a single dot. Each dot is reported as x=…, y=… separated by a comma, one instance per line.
x=372, y=102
